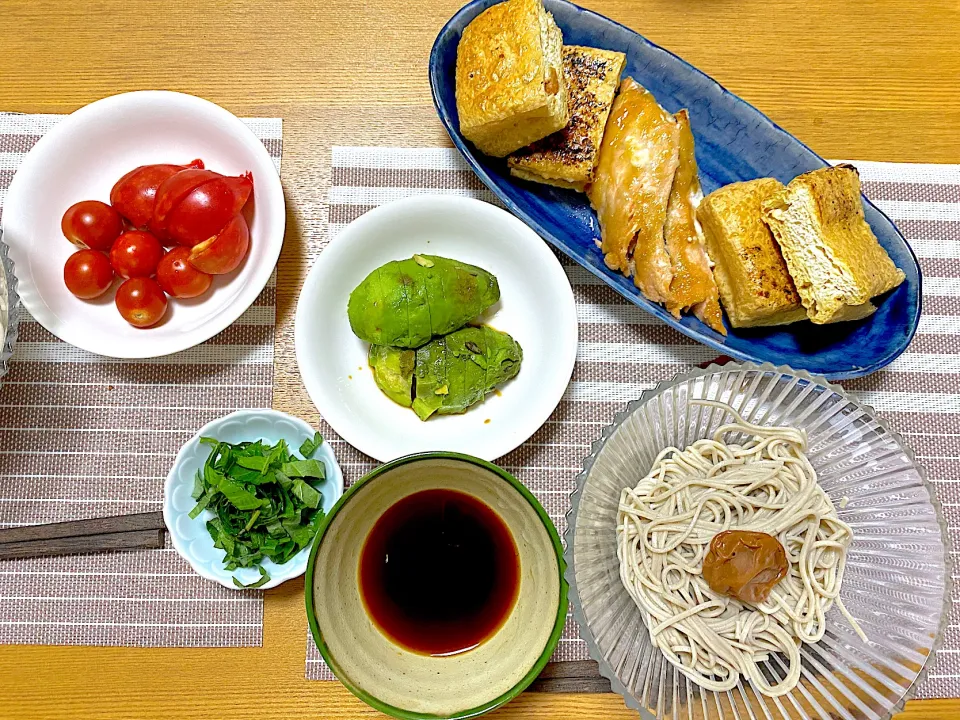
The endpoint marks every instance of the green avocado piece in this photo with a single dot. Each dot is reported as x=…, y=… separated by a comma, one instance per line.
x=457, y=370
x=393, y=372
x=418, y=303
x=405, y=303
x=393, y=320
x=430, y=372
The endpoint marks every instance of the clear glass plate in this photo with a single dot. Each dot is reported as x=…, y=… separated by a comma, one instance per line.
x=9, y=307
x=897, y=573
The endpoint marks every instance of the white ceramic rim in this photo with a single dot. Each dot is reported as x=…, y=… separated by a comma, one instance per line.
x=330, y=255
x=170, y=516
x=268, y=184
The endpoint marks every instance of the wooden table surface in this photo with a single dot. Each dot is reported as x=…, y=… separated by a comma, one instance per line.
x=870, y=80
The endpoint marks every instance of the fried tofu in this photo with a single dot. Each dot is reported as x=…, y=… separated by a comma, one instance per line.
x=509, y=81
x=639, y=156
x=836, y=262
x=751, y=274
x=567, y=158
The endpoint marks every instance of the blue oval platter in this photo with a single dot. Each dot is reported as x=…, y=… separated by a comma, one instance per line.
x=734, y=141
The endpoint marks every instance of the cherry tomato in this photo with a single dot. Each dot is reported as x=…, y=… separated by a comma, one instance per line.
x=224, y=252
x=136, y=254
x=141, y=302
x=135, y=193
x=91, y=224
x=87, y=274
x=194, y=205
x=179, y=278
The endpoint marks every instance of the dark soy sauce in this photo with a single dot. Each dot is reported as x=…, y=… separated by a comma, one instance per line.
x=439, y=572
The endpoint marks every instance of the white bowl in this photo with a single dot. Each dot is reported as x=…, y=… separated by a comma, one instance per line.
x=80, y=159
x=536, y=307
x=190, y=536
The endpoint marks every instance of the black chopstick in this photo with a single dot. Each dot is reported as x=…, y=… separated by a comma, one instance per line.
x=132, y=540
x=579, y=676
x=92, y=526
x=120, y=532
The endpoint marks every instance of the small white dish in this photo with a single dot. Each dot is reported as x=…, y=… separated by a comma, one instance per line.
x=80, y=159
x=190, y=536
x=536, y=307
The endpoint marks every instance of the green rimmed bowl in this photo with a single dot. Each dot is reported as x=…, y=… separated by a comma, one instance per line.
x=405, y=684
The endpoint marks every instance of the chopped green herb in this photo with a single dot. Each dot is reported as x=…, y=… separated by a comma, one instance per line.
x=309, y=447
x=204, y=501
x=264, y=579
x=308, y=496
x=238, y=495
x=304, y=469
x=197, y=486
x=263, y=501
x=252, y=463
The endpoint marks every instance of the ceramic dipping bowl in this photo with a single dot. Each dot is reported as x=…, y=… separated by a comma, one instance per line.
x=406, y=684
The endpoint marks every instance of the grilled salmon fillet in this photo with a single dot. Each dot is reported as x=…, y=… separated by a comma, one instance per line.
x=567, y=158
x=692, y=286
x=639, y=156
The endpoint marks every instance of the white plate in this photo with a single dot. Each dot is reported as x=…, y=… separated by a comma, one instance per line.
x=80, y=159
x=536, y=307
x=189, y=535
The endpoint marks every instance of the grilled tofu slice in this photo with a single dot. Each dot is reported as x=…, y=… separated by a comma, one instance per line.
x=568, y=157
x=830, y=250
x=693, y=286
x=751, y=275
x=510, y=86
x=639, y=156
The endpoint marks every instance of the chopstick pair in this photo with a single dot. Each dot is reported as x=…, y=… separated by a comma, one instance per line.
x=142, y=531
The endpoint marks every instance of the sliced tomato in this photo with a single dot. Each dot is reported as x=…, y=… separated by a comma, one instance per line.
x=225, y=252
x=135, y=193
x=194, y=205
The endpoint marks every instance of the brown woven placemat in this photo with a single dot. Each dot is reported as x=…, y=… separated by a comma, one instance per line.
x=85, y=436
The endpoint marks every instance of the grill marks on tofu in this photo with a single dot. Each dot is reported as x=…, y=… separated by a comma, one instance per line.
x=567, y=157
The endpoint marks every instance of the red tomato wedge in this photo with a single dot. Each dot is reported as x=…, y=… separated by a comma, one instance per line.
x=224, y=252
x=135, y=193
x=193, y=206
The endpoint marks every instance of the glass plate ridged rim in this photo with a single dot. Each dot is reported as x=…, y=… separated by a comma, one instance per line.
x=740, y=701
x=13, y=306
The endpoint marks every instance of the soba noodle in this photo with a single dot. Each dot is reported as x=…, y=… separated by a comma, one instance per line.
x=664, y=529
